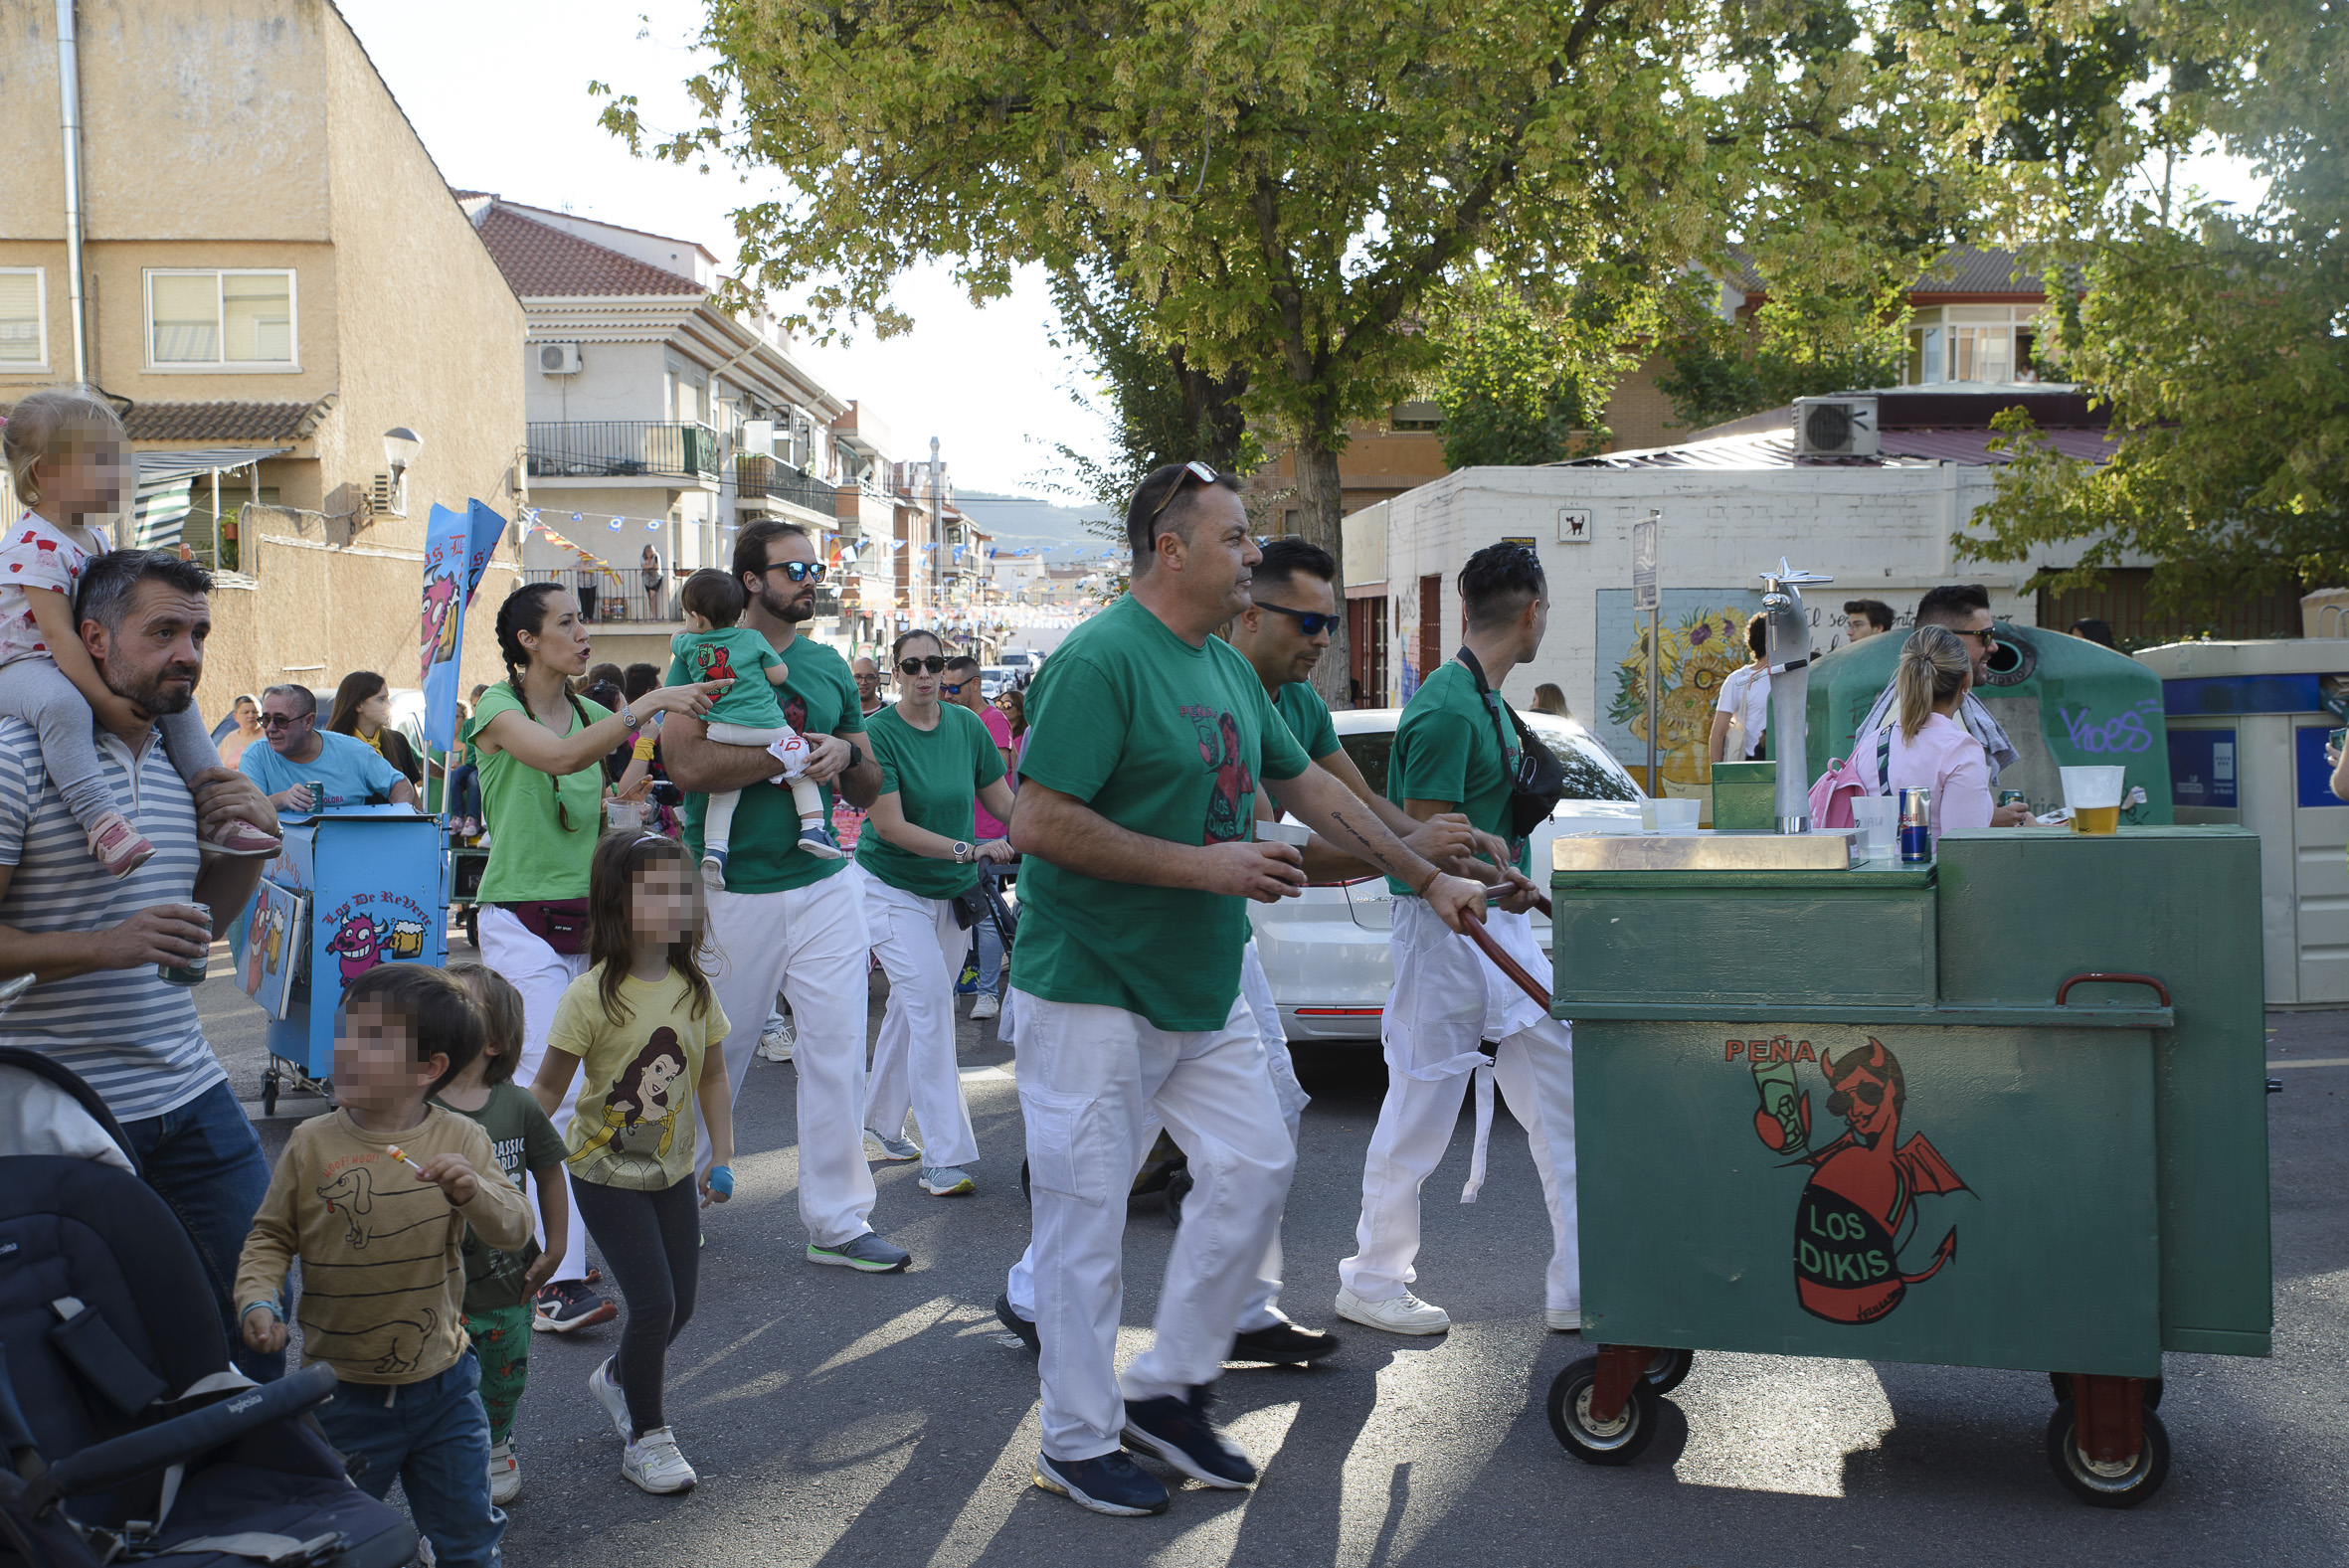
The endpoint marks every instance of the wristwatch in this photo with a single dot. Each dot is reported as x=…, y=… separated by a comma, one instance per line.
x=628, y=716
x=962, y=851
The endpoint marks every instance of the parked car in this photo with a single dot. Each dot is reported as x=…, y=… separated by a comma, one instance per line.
x=1325, y=950
x=994, y=679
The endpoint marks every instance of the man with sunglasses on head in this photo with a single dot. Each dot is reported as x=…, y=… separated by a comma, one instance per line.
x=1147, y=741
x=1456, y=748
x=1963, y=607
x=962, y=685
x=787, y=921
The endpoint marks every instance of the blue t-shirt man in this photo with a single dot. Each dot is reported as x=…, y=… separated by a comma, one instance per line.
x=353, y=772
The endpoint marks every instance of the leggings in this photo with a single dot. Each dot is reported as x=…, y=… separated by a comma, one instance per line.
x=652, y=1242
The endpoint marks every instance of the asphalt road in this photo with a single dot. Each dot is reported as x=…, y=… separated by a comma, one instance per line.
x=842, y=1419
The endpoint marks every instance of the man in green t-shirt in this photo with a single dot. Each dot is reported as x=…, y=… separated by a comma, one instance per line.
x=1148, y=740
x=787, y=919
x=1456, y=750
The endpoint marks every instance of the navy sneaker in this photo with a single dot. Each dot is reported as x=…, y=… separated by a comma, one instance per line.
x=1009, y=1316
x=1179, y=1432
x=1112, y=1484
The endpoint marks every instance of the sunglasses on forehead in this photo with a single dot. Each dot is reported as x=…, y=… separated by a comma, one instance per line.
x=1182, y=477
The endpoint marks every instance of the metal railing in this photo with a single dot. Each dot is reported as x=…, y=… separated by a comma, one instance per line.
x=622, y=449
x=766, y=478
x=616, y=593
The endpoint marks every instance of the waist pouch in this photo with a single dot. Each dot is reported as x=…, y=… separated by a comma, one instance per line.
x=562, y=924
x=1537, y=778
x=969, y=907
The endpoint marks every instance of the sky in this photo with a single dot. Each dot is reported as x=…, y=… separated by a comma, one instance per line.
x=497, y=89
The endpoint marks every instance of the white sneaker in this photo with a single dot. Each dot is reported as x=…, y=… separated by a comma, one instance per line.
x=1564, y=1320
x=985, y=1007
x=506, y=1474
x=1405, y=1314
x=606, y=1388
x=654, y=1464
x=777, y=1039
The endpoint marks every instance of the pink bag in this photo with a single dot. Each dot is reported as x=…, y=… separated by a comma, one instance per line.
x=1831, y=796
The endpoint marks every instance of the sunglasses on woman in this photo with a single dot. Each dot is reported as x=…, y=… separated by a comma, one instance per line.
x=929, y=666
x=1311, y=623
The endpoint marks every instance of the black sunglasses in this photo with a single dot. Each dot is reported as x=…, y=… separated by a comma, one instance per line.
x=929, y=666
x=1313, y=623
x=798, y=571
x=1988, y=635
x=283, y=721
x=955, y=690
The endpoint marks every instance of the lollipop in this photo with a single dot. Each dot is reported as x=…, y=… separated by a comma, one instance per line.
x=401, y=1156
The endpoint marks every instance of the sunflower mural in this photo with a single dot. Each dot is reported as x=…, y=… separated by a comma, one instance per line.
x=1694, y=657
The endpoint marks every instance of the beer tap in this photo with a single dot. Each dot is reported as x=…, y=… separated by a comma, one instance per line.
x=1789, y=651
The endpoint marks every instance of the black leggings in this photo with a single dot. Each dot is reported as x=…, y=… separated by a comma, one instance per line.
x=652, y=1242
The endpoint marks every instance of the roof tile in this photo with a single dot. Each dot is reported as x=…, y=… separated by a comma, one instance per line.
x=540, y=262
x=224, y=421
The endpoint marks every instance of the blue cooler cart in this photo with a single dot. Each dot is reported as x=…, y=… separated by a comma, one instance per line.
x=354, y=888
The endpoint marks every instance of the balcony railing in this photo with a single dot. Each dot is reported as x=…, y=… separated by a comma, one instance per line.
x=617, y=593
x=622, y=448
x=763, y=479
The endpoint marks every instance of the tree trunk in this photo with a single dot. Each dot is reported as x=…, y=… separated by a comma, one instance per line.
x=1317, y=507
x=1211, y=410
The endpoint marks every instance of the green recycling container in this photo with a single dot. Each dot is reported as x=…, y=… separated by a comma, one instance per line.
x=2064, y=702
x=2006, y=1110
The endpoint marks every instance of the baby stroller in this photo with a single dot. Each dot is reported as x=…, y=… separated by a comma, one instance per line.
x=125, y=1435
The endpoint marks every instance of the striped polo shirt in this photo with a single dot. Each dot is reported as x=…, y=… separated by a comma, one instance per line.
x=131, y=1034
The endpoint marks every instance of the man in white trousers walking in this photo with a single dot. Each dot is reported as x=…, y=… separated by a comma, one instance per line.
x=1148, y=740
x=1283, y=635
x=786, y=921
x=1456, y=748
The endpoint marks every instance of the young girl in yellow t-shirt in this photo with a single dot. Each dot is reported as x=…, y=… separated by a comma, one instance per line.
x=644, y=1028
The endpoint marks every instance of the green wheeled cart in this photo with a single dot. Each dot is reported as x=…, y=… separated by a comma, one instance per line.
x=2004, y=1111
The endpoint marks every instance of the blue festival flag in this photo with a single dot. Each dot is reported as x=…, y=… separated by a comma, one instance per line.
x=484, y=529
x=448, y=546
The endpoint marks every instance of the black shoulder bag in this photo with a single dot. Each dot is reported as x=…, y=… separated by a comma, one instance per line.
x=1539, y=778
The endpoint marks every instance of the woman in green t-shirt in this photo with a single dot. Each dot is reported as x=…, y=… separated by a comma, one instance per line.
x=541, y=755
x=917, y=856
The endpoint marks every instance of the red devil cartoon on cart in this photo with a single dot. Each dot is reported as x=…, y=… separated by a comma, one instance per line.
x=1859, y=1209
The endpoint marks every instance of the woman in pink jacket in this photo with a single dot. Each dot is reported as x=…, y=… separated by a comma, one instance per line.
x=1929, y=747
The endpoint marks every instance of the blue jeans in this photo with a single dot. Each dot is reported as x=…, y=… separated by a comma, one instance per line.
x=205, y=1160
x=991, y=941
x=462, y=796
x=434, y=1437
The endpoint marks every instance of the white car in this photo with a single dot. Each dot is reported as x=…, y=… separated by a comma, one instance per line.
x=1325, y=950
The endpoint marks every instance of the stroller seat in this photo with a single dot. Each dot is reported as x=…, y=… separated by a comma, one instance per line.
x=125, y=1434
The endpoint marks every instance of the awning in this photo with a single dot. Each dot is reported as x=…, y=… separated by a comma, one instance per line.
x=166, y=480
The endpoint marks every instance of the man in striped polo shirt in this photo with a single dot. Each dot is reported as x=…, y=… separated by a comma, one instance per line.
x=94, y=940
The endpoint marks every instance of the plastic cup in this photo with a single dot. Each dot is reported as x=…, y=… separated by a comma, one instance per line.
x=1877, y=816
x=2094, y=793
x=1676, y=814
x=625, y=816
x=1294, y=834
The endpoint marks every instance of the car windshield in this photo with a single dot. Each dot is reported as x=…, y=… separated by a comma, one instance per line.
x=1592, y=773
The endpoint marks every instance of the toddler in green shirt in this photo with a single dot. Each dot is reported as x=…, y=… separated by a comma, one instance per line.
x=717, y=648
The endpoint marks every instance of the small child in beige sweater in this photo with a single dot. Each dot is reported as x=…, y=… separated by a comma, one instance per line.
x=374, y=1199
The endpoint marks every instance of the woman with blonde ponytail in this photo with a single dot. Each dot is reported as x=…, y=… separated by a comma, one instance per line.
x=1929, y=748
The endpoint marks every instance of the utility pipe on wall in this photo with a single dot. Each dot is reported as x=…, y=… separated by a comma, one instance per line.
x=69, y=84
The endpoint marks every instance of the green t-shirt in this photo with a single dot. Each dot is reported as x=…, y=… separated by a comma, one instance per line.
x=765, y=856
x=1308, y=717
x=524, y=1140
x=531, y=857
x=1164, y=738
x=936, y=775
x=738, y=655
x=632, y=1123
x=1447, y=748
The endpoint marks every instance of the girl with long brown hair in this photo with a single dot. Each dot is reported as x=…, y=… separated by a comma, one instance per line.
x=1928, y=746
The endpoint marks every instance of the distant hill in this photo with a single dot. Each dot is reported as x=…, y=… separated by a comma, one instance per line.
x=1021, y=522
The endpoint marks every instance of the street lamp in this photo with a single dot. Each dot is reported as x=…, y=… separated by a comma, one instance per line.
x=400, y=447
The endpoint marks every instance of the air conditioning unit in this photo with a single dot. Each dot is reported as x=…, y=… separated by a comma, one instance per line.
x=1835, y=428
x=758, y=438
x=558, y=359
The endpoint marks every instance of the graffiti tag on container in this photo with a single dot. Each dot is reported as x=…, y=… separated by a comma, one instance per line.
x=2094, y=736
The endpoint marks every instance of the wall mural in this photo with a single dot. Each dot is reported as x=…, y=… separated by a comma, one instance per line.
x=1701, y=639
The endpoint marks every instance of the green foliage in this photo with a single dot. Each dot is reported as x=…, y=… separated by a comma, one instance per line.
x=1814, y=342
x=1520, y=383
x=2219, y=339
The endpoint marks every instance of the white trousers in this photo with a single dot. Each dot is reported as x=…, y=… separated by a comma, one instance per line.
x=921, y=951
x=541, y=974
x=809, y=944
x=1090, y=1080
x=1263, y=1307
x=1441, y=996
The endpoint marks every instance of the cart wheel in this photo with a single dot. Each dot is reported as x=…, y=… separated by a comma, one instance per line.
x=2062, y=1383
x=2108, y=1485
x=1616, y=1441
x=1178, y=1186
x=269, y=1093
x=1024, y=1193
x=1670, y=1370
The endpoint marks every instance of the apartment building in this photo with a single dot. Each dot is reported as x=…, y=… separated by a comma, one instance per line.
x=271, y=277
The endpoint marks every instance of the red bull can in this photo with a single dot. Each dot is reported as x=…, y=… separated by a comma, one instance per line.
x=1917, y=825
